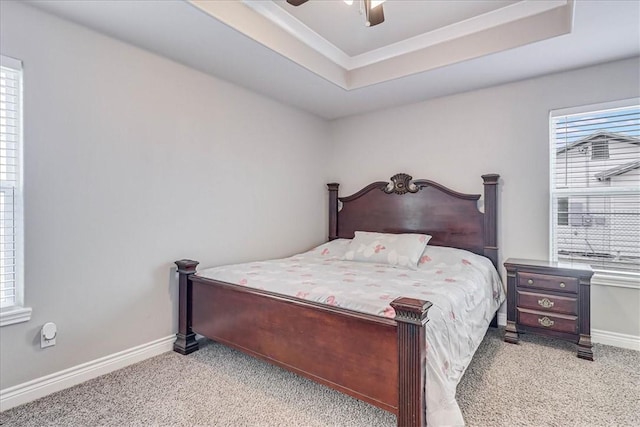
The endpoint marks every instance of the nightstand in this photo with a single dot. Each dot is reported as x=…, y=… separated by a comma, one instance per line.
x=549, y=298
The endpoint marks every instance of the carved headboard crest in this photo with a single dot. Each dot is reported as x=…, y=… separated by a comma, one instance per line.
x=401, y=183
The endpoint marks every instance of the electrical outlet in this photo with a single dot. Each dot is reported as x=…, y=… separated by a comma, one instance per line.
x=48, y=335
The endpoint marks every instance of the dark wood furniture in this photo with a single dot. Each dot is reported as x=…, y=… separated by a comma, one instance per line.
x=548, y=299
x=352, y=352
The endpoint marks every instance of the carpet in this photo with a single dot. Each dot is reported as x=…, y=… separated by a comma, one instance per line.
x=539, y=382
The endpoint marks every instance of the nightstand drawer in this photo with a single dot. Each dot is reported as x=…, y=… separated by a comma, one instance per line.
x=545, y=281
x=545, y=320
x=545, y=302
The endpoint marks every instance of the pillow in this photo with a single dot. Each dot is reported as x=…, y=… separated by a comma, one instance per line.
x=398, y=250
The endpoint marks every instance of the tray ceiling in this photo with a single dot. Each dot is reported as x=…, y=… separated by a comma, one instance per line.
x=455, y=48
x=343, y=25
x=416, y=36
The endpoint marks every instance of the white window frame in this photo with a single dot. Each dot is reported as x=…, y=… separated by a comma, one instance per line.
x=17, y=312
x=601, y=277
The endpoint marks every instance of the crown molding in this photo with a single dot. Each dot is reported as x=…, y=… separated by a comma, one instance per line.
x=299, y=30
x=503, y=29
x=476, y=24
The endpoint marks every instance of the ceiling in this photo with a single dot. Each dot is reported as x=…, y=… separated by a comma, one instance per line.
x=343, y=25
x=420, y=36
x=320, y=57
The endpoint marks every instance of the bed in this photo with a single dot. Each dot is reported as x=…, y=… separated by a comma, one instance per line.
x=378, y=355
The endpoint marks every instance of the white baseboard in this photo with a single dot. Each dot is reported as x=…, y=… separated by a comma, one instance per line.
x=615, y=339
x=43, y=386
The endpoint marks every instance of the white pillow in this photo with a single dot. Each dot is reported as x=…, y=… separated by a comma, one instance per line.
x=398, y=250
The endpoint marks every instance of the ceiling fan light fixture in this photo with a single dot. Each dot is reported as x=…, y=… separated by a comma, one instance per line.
x=374, y=15
x=373, y=12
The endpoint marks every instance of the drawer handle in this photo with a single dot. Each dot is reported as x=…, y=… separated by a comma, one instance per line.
x=562, y=285
x=530, y=281
x=545, y=302
x=545, y=321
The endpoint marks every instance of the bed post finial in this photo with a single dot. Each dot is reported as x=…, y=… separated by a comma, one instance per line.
x=185, y=338
x=491, y=217
x=411, y=316
x=333, y=210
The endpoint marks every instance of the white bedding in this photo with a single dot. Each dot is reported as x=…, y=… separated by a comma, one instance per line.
x=465, y=290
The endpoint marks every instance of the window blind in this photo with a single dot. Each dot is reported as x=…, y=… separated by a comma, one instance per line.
x=595, y=188
x=10, y=180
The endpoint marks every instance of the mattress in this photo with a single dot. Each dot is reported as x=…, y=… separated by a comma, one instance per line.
x=464, y=288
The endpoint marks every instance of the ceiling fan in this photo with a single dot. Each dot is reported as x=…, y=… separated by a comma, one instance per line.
x=373, y=12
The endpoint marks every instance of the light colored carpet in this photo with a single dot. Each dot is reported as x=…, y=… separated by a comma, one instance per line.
x=537, y=383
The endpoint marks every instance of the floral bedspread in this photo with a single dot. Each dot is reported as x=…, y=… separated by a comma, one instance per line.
x=463, y=287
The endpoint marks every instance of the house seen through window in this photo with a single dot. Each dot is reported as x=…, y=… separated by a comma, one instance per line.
x=595, y=186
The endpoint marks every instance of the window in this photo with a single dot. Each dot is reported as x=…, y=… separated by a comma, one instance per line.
x=600, y=149
x=11, y=236
x=563, y=211
x=595, y=186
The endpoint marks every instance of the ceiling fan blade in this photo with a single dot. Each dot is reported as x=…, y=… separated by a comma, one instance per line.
x=296, y=2
x=375, y=15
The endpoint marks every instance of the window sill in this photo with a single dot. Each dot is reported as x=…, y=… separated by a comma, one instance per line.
x=615, y=279
x=16, y=314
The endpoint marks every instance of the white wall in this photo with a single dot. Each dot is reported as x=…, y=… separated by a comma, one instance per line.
x=505, y=130
x=132, y=162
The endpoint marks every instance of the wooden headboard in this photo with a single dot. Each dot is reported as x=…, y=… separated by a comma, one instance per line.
x=405, y=205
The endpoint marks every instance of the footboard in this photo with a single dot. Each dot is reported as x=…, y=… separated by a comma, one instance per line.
x=380, y=361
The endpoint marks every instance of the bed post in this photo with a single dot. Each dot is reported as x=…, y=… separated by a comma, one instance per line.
x=185, y=338
x=333, y=210
x=491, y=217
x=411, y=316
x=491, y=224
